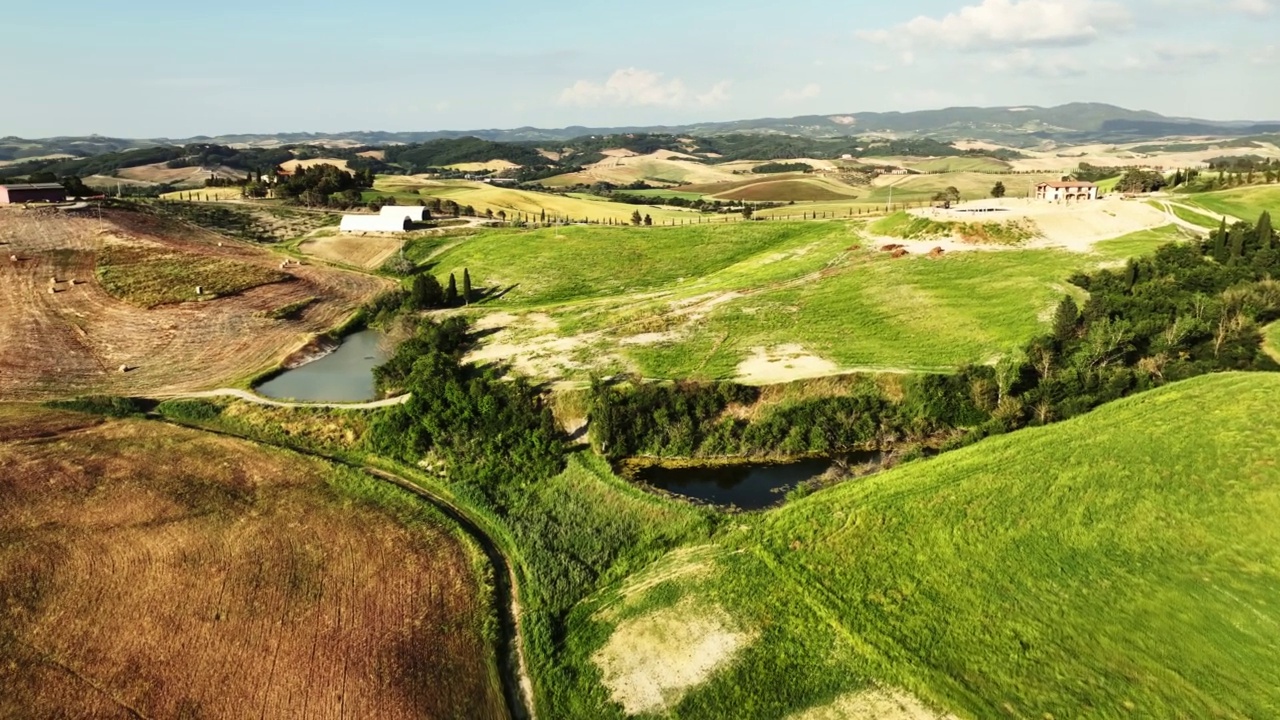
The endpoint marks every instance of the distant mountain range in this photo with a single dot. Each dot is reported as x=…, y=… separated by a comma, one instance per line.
x=1019, y=126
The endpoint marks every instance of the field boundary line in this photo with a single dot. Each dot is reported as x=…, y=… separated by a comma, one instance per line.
x=260, y=400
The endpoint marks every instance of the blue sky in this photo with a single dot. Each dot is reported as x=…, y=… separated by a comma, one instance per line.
x=145, y=68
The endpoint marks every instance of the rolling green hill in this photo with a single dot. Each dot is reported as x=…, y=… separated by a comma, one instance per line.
x=1125, y=563
x=1246, y=203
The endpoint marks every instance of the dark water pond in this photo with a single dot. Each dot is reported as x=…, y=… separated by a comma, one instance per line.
x=344, y=375
x=748, y=487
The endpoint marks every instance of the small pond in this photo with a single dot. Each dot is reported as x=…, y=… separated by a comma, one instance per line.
x=344, y=375
x=748, y=487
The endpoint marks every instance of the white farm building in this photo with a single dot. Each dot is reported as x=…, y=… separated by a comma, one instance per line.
x=412, y=213
x=1067, y=190
x=374, y=224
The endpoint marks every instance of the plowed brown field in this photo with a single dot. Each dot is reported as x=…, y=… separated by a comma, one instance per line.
x=150, y=571
x=75, y=339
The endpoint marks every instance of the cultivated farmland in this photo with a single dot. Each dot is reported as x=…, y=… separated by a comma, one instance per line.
x=64, y=332
x=150, y=571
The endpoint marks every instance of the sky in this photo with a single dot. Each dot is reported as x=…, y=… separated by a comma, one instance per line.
x=146, y=68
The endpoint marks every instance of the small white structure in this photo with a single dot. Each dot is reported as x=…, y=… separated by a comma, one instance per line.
x=1066, y=190
x=374, y=224
x=412, y=213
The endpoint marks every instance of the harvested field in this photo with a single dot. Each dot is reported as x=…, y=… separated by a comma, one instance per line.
x=227, y=581
x=367, y=252
x=799, y=190
x=75, y=340
x=179, y=177
x=148, y=277
x=293, y=165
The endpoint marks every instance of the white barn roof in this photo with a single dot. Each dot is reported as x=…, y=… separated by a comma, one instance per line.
x=414, y=213
x=374, y=224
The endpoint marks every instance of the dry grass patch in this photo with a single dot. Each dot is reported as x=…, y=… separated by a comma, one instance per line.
x=873, y=704
x=368, y=252
x=149, y=277
x=650, y=662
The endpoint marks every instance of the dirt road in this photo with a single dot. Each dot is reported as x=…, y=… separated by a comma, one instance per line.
x=258, y=399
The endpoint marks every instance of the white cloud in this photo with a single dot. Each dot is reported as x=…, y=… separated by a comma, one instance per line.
x=808, y=92
x=1269, y=55
x=1252, y=7
x=633, y=87
x=1009, y=23
x=1168, y=57
x=1039, y=64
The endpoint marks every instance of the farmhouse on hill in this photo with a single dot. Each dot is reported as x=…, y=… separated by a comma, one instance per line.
x=374, y=224
x=32, y=192
x=1067, y=190
x=412, y=213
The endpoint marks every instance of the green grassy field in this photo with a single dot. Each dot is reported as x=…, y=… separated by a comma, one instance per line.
x=696, y=301
x=1121, y=564
x=1108, y=185
x=149, y=278
x=1246, y=203
x=1188, y=214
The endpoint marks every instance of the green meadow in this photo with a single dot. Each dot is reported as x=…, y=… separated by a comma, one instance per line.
x=705, y=298
x=1246, y=203
x=1122, y=564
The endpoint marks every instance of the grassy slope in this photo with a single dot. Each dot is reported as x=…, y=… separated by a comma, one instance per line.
x=960, y=164
x=1124, y=563
x=800, y=283
x=574, y=263
x=796, y=188
x=1246, y=203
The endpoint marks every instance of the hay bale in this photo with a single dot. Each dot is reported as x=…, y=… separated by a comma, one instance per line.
x=199, y=289
x=52, y=290
x=890, y=247
x=124, y=368
x=936, y=252
x=13, y=258
x=900, y=252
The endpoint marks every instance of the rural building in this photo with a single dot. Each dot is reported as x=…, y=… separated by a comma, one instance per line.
x=412, y=213
x=1067, y=190
x=28, y=192
x=374, y=224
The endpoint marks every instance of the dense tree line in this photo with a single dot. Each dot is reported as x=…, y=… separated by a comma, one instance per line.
x=782, y=167
x=1187, y=310
x=1141, y=181
x=321, y=186
x=417, y=157
x=491, y=434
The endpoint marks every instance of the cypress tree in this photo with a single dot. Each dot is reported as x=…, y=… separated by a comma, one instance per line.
x=1237, y=243
x=1220, y=242
x=1265, y=233
x=451, y=292
x=1066, y=319
x=466, y=286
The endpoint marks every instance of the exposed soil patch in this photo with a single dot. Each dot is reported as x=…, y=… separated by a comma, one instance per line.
x=651, y=661
x=782, y=364
x=873, y=704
